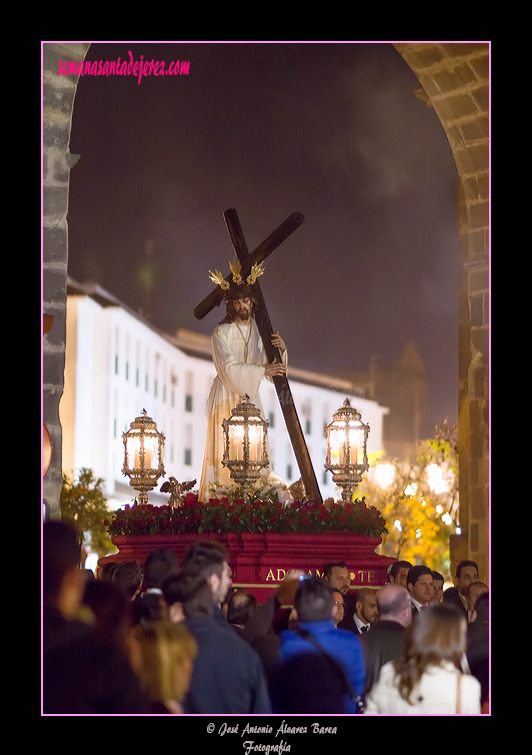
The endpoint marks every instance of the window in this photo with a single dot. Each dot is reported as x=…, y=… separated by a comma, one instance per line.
x=189, y=391
x=173, y=382
x=188, y=445
x=271, y=419
x=288, y=471
x=117, y=349
x=157, y=373
x=307, y=427
x=146, y=381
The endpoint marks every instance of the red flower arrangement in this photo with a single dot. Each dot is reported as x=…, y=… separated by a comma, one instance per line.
x=224, y=515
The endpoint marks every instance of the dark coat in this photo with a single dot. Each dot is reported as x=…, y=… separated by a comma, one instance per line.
x=84, y=675
x=381, y=644
x=451, y=595
x=228, y=676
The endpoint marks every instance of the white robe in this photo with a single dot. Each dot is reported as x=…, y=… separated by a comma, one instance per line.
x=237, y=373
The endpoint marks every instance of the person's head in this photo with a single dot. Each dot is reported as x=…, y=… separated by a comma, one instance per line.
x=419, y=583
x=394, y=604
x=338, y=607
x=437, y=581
x=240, y=607
x=159, y=564
x=163, y=656
x=128, y=578
x=105, y=572
x=63, y=579
x=466, y=573
x=313, y=600
x=481, y=611
x=473, y=592
x=112, y=612
x=438, y=635
x=366, y=605
x=241, y=305
x=338, y=576
x=209, y=560
x=398, y=572
x=187, y=595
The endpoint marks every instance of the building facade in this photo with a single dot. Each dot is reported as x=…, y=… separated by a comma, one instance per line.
x=117, y=364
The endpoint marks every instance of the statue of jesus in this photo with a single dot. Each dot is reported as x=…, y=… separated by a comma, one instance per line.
x=240, y=363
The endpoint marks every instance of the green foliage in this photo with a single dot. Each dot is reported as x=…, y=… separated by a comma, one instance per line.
x=84, y=506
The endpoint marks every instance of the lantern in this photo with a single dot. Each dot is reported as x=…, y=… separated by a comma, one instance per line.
x=346, y=458
x=143, y=455
x=245, y=436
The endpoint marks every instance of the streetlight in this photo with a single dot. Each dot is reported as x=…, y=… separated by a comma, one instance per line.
x=143, y=455
x=245, y=453
x=346, y=458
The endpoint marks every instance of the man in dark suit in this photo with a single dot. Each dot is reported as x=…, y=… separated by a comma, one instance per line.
x=397, y=572
x=339, y=577
x=383, y=643
x=466, y=573
x=420, y=585
x=478, y=644
x=209, y=559
x=228, y=676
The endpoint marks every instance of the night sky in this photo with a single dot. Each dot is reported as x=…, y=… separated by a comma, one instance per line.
x=333, y=131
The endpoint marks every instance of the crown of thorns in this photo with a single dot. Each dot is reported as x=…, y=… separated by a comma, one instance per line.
x=237, y=280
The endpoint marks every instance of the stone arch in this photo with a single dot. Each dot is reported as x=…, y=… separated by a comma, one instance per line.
x=454, y=80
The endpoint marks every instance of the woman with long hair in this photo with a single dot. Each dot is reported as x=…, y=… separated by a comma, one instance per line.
x=428, y=677
x=162, y=654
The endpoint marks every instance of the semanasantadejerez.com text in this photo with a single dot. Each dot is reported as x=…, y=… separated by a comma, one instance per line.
x=138, y=68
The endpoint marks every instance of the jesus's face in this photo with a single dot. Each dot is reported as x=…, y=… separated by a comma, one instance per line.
x=242, y=309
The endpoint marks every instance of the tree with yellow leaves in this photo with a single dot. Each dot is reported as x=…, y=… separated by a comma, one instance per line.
x=418, y=501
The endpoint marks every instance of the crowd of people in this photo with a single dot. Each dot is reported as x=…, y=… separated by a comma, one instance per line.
x=177, y=638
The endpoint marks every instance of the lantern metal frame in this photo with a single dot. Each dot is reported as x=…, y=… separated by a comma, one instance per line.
x=246, y=470
x=348, y=474
x=139, y=464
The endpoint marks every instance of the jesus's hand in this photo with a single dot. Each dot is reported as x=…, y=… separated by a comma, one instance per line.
x=278, y=342
x=275, y=368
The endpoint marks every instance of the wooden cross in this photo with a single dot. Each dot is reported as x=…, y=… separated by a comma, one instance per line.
x=264, y=327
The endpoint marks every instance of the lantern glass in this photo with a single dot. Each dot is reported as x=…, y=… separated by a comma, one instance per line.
x=245, y=453
x=236, y=431
x=347, y=448
x=255, y=437
x=143, y=455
